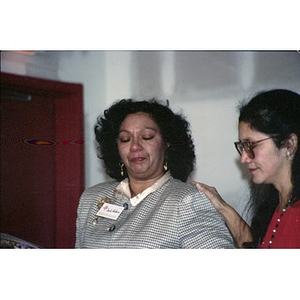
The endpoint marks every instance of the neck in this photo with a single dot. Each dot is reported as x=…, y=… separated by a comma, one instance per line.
x=139, y=185
x=285, y=197
x=284, y=187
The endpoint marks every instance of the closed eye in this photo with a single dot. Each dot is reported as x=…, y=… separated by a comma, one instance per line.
x=147, y=138
x=124, y=140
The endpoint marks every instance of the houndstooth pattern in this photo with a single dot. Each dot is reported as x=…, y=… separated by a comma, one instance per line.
x=174, y=216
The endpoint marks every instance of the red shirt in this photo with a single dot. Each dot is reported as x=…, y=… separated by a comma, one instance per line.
x=284, y=229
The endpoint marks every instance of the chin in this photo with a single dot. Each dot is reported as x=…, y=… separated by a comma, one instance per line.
x=257, y=180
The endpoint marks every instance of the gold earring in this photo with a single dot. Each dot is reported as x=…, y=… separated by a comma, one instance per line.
x=122, y=170
x=166, y=166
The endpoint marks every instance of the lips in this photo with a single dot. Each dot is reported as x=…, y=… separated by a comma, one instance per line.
x=137, y=159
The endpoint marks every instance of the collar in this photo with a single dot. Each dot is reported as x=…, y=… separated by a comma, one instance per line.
x=124, y=189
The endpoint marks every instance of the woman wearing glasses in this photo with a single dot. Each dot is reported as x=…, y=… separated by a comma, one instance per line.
x=269, y=133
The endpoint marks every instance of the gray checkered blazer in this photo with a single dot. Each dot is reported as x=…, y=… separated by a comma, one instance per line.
x=176, y=215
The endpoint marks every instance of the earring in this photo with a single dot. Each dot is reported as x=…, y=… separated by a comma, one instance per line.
x=122, y=170
x=288, y=154
x=166, y=166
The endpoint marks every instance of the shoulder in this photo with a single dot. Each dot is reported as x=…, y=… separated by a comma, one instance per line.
x=104, y=189
x=186, y=191
x=296, y=205
x=101, y=187
x=185, y=187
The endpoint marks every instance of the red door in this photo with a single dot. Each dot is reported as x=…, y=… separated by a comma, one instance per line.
x=41, y=159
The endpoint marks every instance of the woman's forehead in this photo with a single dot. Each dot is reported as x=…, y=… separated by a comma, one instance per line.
x=138, y=120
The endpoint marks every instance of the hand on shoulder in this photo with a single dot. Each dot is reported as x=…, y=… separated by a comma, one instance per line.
x=212, y=194
x=238, y=228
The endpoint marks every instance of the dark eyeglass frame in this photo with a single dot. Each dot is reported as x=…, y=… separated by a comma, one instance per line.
x=248, y=146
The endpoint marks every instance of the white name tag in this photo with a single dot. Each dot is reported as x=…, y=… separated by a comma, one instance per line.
x=110, y=211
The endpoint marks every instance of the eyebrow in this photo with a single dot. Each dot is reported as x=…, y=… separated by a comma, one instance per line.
x=245, y=140
x=145, y=128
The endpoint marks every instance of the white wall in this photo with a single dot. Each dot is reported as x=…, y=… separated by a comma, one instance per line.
x=206, y=85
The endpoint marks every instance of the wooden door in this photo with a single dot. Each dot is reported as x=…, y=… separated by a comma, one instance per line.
x=42, y=169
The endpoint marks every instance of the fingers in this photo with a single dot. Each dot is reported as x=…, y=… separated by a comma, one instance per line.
x=198, y=185
x=204, y=187
x=212, y=194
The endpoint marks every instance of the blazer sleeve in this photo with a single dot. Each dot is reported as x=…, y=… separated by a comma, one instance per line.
x=200, y=225
x=80, y=223
x=87, y=206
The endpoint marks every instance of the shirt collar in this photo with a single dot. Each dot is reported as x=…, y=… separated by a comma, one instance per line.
x=124, y=189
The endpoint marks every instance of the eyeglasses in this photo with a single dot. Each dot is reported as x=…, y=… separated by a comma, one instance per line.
x=248, y=147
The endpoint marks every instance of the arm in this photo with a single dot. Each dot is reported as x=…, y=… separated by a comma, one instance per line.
x=200, y=225
x=238, y=228
x=78, y=227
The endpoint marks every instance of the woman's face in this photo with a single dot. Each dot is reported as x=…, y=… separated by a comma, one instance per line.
x=141, y=147
x=270, y=165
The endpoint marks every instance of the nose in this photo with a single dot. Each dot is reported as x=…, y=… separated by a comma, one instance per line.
x=245, y=158
x=135, y=145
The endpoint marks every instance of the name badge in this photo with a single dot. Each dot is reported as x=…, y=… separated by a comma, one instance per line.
x=110, y=211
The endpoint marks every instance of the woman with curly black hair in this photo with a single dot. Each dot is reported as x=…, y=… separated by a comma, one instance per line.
x=269, y=132
x=179, y=146
x=149, y=151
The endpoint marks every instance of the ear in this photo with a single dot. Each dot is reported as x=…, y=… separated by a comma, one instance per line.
x=292, y=143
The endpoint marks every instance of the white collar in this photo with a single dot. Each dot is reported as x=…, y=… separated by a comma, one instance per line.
x=124, y=189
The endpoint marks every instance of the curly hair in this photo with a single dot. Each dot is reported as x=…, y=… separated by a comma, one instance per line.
x=174, y=128
x=275, y=113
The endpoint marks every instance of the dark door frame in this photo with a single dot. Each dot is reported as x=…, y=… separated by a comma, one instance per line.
x=69, y=155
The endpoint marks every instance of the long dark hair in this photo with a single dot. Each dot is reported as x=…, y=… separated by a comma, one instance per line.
x=174, y=128
x=275, y=113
